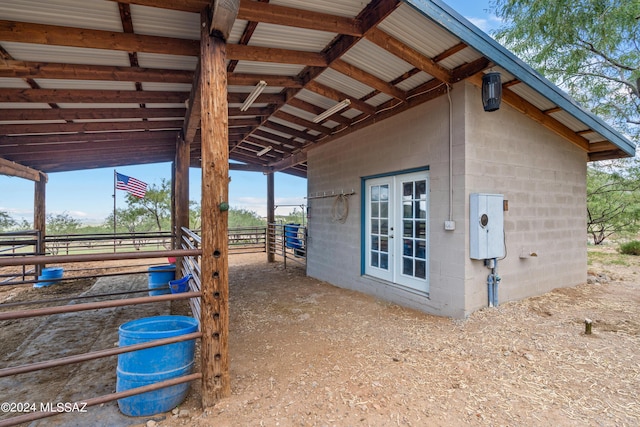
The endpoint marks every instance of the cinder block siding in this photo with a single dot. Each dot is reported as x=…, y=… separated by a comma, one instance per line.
x=543, y=177
x=416, y=138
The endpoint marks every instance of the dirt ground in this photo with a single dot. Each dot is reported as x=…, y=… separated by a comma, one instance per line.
x=305, y=353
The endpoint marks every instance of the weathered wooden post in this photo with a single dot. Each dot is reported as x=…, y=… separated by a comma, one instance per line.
x=216, y=25
x=40, y=217
x=181, y=195
x=271, y=218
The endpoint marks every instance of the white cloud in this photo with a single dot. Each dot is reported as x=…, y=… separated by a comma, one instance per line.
x=486, y=24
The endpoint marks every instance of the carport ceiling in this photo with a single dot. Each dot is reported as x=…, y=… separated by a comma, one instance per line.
x=92, y=83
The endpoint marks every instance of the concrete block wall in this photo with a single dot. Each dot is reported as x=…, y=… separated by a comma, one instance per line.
x=543, y=178
x=541, y=175
x=416, y=138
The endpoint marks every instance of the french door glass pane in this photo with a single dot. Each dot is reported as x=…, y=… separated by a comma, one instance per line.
x=421, y=189
x=421, y=271
x=384, y=209
x=379, y=226
x=407, y=247
x=407, y=212
x=407, y=266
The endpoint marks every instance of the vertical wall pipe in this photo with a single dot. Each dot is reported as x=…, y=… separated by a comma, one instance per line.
x=493, y=280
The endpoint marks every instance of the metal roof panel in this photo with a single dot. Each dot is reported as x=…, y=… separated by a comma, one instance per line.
x=168, y=62
x=65, y=54
x=251, y=67
x=532, y=96
x=343, y=83
x=168, y=87
x=408, y=26
x=374, y=60
x=270, y=35
x=165, y=22
x=13, y=82
x=85, y=84
x=92, y=14
x=346, y=8
x=24, y=105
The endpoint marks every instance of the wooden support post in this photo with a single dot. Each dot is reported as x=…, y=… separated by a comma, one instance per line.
x=215, y=189
x=271, y=217
x=40, y=218
x=181, y=195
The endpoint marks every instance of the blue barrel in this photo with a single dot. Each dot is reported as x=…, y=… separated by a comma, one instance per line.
x=159, y=277
x=49, y=273
x=152, y=365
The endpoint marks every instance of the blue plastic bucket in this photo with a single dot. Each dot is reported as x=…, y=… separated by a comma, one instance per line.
x=180, y=285
x=49, y=273
x=152, y=365
x=159, y=277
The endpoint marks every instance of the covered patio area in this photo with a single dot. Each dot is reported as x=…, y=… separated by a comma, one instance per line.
x=305, y=352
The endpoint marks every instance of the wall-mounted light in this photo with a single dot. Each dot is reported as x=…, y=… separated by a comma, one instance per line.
x=331, y=111
x=264, y=151
x=491, y=91
x=253, y=95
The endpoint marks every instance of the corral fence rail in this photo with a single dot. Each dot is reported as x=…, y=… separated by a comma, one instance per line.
x=118, y=301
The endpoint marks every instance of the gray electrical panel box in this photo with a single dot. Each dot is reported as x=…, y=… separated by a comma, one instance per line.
x=486, y=226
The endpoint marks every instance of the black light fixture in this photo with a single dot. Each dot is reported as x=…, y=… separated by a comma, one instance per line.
x=491, y=91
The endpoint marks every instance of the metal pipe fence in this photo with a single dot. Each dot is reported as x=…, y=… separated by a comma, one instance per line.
x=119, y=301
x=289, y=241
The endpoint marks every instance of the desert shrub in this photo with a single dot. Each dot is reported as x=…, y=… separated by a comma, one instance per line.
x=630, y=248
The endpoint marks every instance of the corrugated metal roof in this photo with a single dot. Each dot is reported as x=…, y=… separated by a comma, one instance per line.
x=376, y=61
x=65, y=54
x=24, y=105
x=84, y=84
x=92, y=14
x=269, y=35
x=569, y=121
x=465, y=56
x=13, y=83
x=166, y=87
x=428, y=27
x=413, y=30
x=347, y=8
x=252, y=67
x=166, y=23
x=537, y=99
x=96, y=105
x=345, y=84
x=415, y=81
x=167, y=62
x=237, y=30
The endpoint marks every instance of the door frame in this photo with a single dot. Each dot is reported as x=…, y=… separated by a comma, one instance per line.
x=364, y=220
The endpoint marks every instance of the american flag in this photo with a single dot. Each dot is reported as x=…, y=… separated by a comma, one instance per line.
x=132, y=185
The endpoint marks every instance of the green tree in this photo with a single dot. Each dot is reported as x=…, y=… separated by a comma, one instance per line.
x=6, y=222
x=129, y=220
x=244, y=218
x=195, y=215
x=155, y=205
x=613, y=200
x=591, y=48
x=294, y=217
x=62, y=224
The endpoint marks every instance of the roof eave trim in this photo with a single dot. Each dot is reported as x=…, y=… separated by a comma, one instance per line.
x=453, y=22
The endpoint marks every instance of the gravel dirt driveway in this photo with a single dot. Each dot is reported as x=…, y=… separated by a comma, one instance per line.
x=305, y=353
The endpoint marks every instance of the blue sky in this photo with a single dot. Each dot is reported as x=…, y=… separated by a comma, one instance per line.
x=87, y=195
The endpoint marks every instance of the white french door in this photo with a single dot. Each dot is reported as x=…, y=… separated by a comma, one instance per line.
x=396, y=229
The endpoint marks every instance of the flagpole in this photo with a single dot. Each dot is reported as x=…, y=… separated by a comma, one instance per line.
x=115, y=177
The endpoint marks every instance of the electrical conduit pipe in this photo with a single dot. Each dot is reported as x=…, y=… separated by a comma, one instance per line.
x=493, y=280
